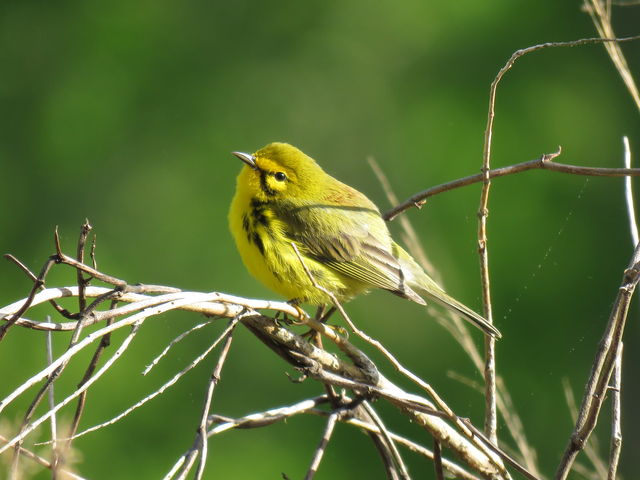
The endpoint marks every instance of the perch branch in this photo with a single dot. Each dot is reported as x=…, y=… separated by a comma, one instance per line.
x=424, y=385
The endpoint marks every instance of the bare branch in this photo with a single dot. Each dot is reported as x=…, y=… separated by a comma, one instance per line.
x=384, y=432
x=213, y=381
x=439, y=401
x=616, y=428
x=437, y=459
x=507, y=458
x=544, y=162
x=43, y=461
x=178, y=339
x=37, y=284
x=602, y=368
x=200, y=445
x=324, y=441
x=172, y=381
x=54, y=423
x=265, y=418
x=591, y=448
x=216, y=304
x=602, y=22
x=33, y=425
x=628, y=190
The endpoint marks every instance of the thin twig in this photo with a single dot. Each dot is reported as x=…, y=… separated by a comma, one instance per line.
x=85, y=229
x=213, y=381
x=421, y=411
x=616, y=428
x=453, y=469
x=37, y=284
x=544, y=163
x=43, y=461
x=628, y=191
x=616, y=387
x=437, y=459
x=491, y=410
x=384, y=432
x=33, y=425
x=602, y=21
x=602, y=367
x=483, y=213
x=424, y=385
x=62, y=311
x=93, y=336
x=417, y=200
x=268, y=417
x=105, y=341
x=503, y=455
x=55, y=455
x=178, y=339
x=460, y=332
x=591, y=448
x=324, y=441
x=172, y=381
x=42, y=391
x=199, y=448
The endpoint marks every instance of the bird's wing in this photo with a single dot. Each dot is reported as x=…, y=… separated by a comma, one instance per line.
x=354, y=241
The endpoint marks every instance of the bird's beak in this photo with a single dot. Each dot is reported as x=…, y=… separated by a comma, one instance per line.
x=247, y=158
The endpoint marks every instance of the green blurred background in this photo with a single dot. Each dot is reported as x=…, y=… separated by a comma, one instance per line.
x=125, y=113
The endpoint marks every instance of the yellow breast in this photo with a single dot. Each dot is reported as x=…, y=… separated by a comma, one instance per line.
x=266, y=250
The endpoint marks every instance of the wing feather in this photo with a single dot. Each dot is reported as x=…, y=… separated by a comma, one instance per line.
x=353, y=241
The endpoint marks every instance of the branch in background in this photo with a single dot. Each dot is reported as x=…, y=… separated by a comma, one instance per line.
x=602, y=368
x=591, y=449
x=199, y=448
x=602, y=20
x=609, y=356
x=322, y=446
x=628, y=190
x=545, y=162
x=616, y=424
x=459, y=331
x=43, y=461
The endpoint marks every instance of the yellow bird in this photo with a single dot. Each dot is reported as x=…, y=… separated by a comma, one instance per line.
x=284, y=197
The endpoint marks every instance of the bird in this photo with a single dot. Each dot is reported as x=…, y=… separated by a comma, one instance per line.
x=284, y=198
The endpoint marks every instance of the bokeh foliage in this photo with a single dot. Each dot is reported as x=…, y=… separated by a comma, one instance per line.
x=125, y=113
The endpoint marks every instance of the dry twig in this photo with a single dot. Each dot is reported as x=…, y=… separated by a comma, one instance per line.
x=602, y=368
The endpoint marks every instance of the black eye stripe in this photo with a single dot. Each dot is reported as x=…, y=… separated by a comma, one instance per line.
x=265, y=187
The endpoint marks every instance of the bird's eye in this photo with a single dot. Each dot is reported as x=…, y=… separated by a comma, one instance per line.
x=280, y=176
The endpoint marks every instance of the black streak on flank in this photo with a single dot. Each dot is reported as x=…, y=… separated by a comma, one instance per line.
x=245, y=223
x=276, y=274
x=258, y=242
x=257, y=212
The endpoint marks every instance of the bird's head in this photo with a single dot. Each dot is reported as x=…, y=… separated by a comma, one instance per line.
x=280, y=171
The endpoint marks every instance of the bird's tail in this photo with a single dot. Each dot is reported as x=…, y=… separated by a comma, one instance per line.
x=451, y=303
x=418, y=280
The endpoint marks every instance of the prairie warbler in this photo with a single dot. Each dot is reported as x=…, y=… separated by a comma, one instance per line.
x=284, y=197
